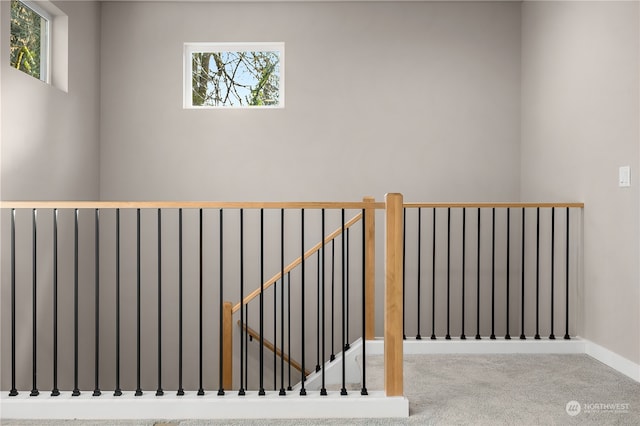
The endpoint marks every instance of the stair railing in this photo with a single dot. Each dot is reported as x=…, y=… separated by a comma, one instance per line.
x=130, y=259
x=329, y=240
x=368, y=280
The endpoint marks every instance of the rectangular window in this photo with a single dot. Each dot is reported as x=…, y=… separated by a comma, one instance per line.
x=234, y=75
x=29, y=44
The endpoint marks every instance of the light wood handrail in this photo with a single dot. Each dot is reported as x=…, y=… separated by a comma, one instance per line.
x=267, y=344
x=492, y=205
x=298, y=260
x=352, y=205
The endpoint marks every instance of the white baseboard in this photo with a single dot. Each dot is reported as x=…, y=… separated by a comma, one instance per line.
x=576, y=345
x=191, y=406
x=613, y=360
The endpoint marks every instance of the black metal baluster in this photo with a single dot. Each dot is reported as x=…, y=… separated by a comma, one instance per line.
x=243, y=367
x=318, y=315
x=76, y=391
x=493, y=274
x=261, y=390
x=343, y=391
x=96, y=390
x=117, y=391
x=221, y=309
x=138, y=302
x=247, y=338
x=464, y=242
x=333, y=282
x=34, y=370
x=363, y=390
x=303, y=377
x=507, y=336
x=433, y=280
x=200, y=297
x=180, y=301
x=566, y=333
x=347, y=346
x=553, y=260
x=448, y=336
x=418, y=336
x=282, y=390
x=404, y=265
x=537, y=336
x=323, y=390
x=13, y=391
x=522, y=336
x=159, y=391
x=55, y=391
x=478, y=283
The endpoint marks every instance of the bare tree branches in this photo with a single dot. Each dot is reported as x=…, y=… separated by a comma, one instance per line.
x=235, y=78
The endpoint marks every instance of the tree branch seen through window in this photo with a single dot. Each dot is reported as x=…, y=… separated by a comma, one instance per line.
x=236, y=78
x=28, y=32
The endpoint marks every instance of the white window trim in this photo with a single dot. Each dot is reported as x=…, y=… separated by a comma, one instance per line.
x=201, y=47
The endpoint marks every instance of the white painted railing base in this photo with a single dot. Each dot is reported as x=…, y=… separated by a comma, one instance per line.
x=191, y=406
x=252, y=406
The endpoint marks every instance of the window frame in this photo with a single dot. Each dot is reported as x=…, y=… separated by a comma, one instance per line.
x=45, y=40
x=205, y=47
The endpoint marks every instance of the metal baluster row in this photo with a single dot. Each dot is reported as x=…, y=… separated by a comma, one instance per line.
x=439, y=249
x=99, y=346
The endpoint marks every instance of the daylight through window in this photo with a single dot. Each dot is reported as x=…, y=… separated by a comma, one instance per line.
x=234, y=75
x=29, y=45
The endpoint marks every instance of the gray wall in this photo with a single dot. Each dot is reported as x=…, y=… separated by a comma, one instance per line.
x=50, y=138
x=580, y=122
x=419, y=98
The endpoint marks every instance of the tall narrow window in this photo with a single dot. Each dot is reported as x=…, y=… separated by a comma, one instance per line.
x=234, y=75
x=29, y=44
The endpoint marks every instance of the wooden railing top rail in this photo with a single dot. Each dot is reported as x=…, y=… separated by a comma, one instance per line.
x=348, y=205
x=298, y=261
x=492, y=205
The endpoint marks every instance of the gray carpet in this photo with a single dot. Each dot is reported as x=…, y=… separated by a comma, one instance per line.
x=481, y=389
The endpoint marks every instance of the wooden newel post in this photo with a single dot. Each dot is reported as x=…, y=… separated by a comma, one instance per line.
x=393, y=341
x=370, y=269
x=227, y=346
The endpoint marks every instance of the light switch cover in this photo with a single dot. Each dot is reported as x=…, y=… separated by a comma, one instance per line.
x=624, y=176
